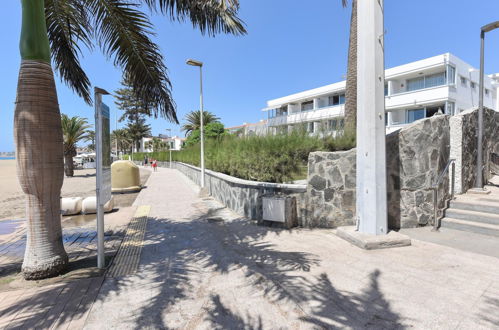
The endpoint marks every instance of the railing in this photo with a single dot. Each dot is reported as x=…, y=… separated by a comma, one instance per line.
x=435, y=190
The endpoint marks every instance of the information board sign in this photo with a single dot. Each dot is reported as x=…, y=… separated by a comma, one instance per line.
x=105, y=184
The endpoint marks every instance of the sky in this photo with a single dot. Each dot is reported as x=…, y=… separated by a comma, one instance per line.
x=291, y=46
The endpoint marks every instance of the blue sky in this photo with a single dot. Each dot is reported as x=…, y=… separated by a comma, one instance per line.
x=291, y=46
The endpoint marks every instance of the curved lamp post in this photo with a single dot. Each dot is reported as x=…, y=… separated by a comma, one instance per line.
x=479, y=162
x=201, y=129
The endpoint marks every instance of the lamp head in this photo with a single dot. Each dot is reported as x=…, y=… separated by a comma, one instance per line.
x=194, y=62
x=98, y=90
x=490, y=27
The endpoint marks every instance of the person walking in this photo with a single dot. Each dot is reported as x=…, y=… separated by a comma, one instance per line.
x=154, y=164
x=146, y=161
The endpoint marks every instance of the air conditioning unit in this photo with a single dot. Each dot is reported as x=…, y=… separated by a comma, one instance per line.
x=279, y=210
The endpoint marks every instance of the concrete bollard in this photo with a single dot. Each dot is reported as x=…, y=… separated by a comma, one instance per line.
x=71, y=205
x=89, y=205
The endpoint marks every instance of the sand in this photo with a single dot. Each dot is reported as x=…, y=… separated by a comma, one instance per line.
x=12, y=200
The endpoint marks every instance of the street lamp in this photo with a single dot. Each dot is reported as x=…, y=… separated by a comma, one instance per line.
x=479, y=162
x=170, y=145
x=200, y=65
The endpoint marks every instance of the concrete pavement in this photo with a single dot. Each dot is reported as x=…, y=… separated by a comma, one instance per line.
x=201, y=266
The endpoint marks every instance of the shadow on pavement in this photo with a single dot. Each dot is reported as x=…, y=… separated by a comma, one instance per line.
x=178, y=255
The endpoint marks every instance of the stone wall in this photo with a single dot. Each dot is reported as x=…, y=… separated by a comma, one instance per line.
x=463, y=137
x=330, y=197
x=242, y=196
x=416, y=155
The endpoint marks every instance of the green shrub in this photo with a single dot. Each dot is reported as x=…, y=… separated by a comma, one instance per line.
x=272, y=158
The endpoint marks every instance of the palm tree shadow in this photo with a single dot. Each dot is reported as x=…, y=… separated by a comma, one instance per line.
x=338, y=309
x=221, y=317
x=179, y=256
x=489, y=313
x=216, y=246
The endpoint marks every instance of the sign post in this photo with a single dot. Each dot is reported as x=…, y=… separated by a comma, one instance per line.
x=103, y=173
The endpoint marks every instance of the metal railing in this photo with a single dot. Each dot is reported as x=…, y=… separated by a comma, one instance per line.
x=435, y=190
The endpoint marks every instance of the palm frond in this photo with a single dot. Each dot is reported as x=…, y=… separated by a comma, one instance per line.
x=67, y=27
x=344, y=3
x=210, y=16
x=123, y=32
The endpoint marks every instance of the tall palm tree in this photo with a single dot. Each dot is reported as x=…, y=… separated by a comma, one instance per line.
x=56, y=30
x=351, y=84
x=74, y=129
x=121, y=138
x=193, y=120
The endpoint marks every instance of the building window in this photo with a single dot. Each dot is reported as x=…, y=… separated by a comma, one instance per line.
x=309, y=105
x=415, y=84
x=432, y=80
x=416, y=114
x=451, y=75
x=337, y=99
x=450, y=108
x=463, y=81
x=341, y=123
x=486, y=91
x=386, y=89
x=472, y=85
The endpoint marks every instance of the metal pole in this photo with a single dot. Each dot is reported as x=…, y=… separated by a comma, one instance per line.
x=479, y=161
x=100, y=214
x=201, y=122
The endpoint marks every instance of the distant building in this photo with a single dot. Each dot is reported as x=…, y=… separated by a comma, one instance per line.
x=251, y=129
x=413, y=91
x=174, y=142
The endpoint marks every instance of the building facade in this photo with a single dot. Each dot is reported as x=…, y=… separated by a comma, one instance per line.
x=413, y=91
x=251, y=129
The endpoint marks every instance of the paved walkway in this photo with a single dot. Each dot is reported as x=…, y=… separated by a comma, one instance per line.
x=200, y=266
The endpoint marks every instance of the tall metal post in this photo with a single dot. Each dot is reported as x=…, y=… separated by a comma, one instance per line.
x=101, y=263
x=202, y=123
x=371, y=202
x=170, y=145
x=479, y=160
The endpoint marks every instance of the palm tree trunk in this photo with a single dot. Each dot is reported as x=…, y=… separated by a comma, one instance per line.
x=68, y=165
x=351, y=84
x=38, y=136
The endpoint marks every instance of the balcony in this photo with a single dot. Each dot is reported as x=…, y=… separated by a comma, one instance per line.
x=417, y=97
x=309, y=115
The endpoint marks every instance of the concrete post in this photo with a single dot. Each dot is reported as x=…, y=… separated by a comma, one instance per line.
x=371, y=155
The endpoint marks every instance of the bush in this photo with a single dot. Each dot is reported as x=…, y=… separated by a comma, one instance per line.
x=272, y=158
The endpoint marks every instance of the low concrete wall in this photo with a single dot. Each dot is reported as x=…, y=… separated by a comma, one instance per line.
x=463, y=141
x=242, y=196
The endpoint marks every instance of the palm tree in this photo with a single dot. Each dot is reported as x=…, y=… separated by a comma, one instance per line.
x=74, y=129
x=193, y=120
x=121, y=138
x=351, y=84
x=56, y=30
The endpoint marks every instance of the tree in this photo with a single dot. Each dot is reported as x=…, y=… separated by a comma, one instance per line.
x=193, y=120
x=121, y=138
x=214, y=130
x=131, y=105
x=74, y=129
x=138, y=130
x=156, y=144
x=91, y=139
x=56, y=30
x=351, y=84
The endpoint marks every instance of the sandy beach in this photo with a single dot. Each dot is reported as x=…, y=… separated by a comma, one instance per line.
x=81, y=185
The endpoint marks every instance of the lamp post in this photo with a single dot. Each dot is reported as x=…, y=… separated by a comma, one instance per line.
x=170, y=145
x=201, y=129
x=479, y=161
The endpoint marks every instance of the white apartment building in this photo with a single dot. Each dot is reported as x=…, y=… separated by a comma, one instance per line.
x=174, y=143
x=413, y=91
